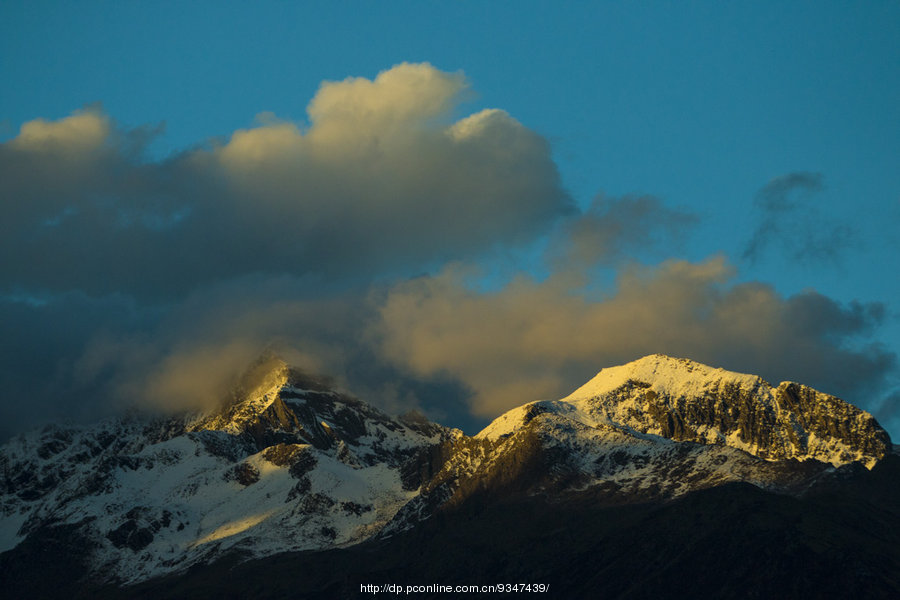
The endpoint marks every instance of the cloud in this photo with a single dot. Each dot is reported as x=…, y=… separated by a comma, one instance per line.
x=614, y=228
x=76, y=137
x=74, y=357
x=193, y=354
x=381, y=180
x=888, y=411
x=196, y=351
x=344, y=111
x=533, y=340
x=43, y=340
x=791, y=223
x=776, y=195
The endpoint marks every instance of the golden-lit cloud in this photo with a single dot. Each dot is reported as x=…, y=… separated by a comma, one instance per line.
x=382, y=164
x=534, y=340
x=397, y=102
x=83, y=131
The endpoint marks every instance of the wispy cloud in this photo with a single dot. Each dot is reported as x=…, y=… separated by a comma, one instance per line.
x=611, y=229
x=790, y=221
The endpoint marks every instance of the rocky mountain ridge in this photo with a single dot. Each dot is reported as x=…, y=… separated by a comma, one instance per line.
x=290, y=464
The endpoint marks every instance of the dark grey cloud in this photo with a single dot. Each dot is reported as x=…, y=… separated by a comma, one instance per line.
x=777, y=197
x=44, y=339
x=888, y=412
x=790, y=221
x=75, y=358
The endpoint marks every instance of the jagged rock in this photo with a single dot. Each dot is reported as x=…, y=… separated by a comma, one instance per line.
x=130, y=535
x=243, y=473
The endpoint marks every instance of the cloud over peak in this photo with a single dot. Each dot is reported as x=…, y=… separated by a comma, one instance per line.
x=532, y=340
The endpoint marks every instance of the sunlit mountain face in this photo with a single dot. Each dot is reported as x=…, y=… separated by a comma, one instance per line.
x=659, y=466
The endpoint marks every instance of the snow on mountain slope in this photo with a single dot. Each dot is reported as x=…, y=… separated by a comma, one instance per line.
x=284, y=468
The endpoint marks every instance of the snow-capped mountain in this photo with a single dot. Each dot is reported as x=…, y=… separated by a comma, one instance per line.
x=684, y=401
x=289, y=464
x=660, y=427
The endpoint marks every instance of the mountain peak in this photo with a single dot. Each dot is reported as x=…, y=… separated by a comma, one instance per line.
x=686, y=401
x=270, y=371
x=674, y=375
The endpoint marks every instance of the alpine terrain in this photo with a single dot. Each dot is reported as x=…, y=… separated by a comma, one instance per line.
x=659, y=478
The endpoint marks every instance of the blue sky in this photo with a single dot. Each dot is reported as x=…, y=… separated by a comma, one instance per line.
x=701, y=105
